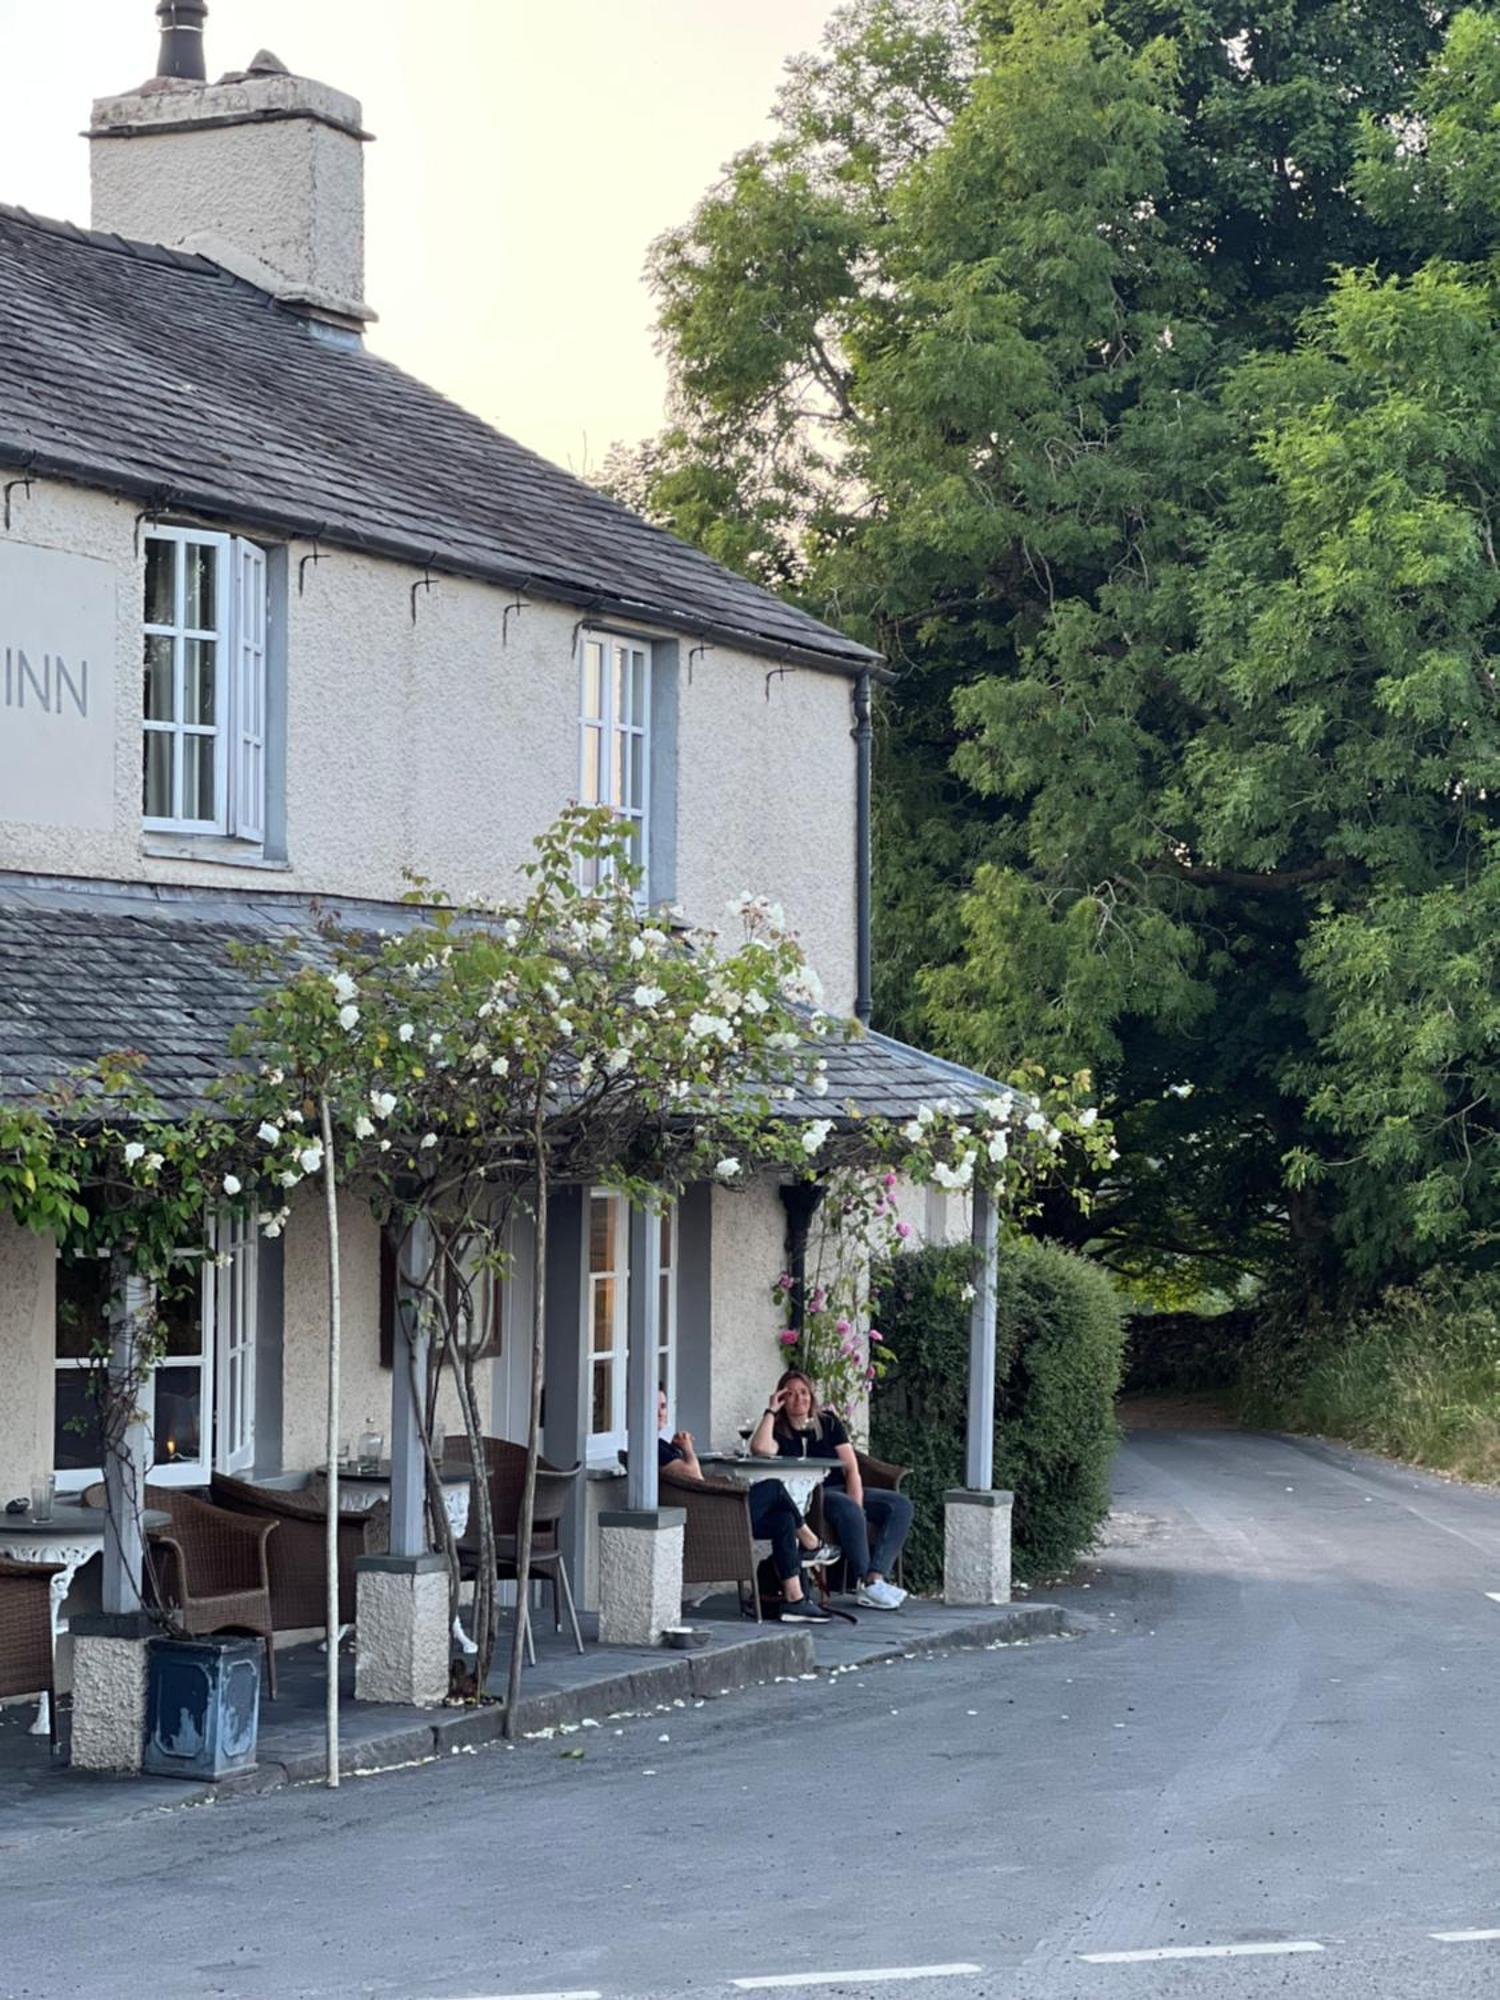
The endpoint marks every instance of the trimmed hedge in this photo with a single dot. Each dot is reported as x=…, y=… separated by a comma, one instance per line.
x=1060, y=1338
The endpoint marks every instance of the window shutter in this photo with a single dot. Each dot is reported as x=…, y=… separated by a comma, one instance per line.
x=250, y=691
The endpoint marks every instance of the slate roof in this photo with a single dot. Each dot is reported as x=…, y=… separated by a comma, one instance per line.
x=89, y=970
x=157, y=375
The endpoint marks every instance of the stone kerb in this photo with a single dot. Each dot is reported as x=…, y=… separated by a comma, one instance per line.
x=401, y=1643
x=640, y=1575
x=976, y=1547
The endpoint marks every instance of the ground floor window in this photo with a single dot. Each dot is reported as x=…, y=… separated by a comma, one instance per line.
x=606, y=1311
x=199, y=1402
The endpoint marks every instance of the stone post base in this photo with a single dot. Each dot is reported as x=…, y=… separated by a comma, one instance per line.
x=401, y=1645
x=109, y=1691
x=640, y=1575
x=976, y=1547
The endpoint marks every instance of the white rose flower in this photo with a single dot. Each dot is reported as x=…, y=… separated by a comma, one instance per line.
x=967, y=1294
x=648, y=996
x=636, y=949
x=231, y=1184
x=434, y=1040
x=364, y=1128
x=311, y=1157
x=818, y=1085
x=152, y=1163
x=1034, y=1121
x=500, y=1066
x=294, y=1117
x=814, y=1137
x=755, y=1003
x=349, y=1016
x=382, y=1102
x=564, y=1027
x=728, y=1169
x=269, y=1134
x=428, y=1139
x=133, y=1152
x=405, y=1032
x=344, y=988
x=999, y=1146
x=1088, y=1118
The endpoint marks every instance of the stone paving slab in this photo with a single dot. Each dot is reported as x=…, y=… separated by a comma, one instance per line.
x=39, y=1796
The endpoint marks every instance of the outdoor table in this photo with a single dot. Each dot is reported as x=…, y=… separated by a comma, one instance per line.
x=68, y=1538
x=800, y=1476
x=359, y=1491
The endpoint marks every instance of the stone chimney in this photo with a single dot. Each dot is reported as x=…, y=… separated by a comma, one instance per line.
x=262, y=172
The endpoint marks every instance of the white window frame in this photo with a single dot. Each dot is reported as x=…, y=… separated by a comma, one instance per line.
x=605, y=721
x=225, y=1362
x=239, y=730
x=604, y=1446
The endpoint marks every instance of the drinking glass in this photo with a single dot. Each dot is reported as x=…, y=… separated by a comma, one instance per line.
x=371, y=1446
x=42, y=1493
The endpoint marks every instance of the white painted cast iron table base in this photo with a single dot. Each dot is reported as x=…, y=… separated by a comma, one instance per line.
x=800, y=1476
x=359, y=1491
x=69, y=1538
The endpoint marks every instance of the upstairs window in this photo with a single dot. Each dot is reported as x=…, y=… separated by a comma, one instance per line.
x=615, y=737
x=204, y=755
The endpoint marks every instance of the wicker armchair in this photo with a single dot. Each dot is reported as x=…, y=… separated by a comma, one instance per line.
x=506, y=1464
x=211, y=1571
x=299, y=1550
x=717, y=1543
x=26, y=1632
x=874, y=1472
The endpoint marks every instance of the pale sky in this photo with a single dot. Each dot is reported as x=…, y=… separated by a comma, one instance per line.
x=527, y=151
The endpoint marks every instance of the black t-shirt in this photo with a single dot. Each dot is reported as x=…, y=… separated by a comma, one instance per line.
x=668, y=1453
x=821, y=1439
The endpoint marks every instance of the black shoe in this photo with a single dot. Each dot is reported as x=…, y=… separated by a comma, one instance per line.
x=804, y=1612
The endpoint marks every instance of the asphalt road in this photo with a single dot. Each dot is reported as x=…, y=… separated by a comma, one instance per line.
x=1282, y=1735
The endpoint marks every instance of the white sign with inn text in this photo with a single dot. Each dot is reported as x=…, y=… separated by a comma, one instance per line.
x=57, y=688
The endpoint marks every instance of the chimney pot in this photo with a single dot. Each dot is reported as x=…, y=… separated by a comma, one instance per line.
x=181, y=53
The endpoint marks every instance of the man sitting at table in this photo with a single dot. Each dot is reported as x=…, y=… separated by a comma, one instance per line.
x=773, y=1518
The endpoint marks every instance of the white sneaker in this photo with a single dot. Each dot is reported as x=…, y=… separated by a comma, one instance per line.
x=880, y=1596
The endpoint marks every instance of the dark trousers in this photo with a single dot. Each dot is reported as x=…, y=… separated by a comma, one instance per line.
x=774, y=1519
x=870, y=1536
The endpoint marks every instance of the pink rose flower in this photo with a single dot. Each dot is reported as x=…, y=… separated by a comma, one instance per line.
x=889, y=1181
x=903, y=1229
x=788, y=1336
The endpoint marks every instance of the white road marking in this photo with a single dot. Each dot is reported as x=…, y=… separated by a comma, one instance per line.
x=1194, y=1951
x=1463, y=1937
x=763, y=1982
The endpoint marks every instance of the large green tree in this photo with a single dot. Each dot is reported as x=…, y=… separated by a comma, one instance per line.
x=1125, y=372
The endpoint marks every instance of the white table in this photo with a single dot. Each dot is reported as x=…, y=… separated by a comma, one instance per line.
x=68, y=1538
x=360, y=1491
x=800, y=1476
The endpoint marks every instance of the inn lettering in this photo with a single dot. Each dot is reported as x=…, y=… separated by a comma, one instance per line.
x=51, y=685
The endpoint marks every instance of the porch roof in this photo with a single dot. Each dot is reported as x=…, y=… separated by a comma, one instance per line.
x=88, y=969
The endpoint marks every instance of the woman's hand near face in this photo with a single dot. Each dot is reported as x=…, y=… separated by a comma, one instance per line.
x=763, y=1438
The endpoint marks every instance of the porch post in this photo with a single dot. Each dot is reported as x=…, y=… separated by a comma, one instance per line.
x=976, y=1518
x=402, y=1630
x=979, y=1458
x=640, y=1549
x=408, y=1473
x=644, y=1316
x=109, y=1651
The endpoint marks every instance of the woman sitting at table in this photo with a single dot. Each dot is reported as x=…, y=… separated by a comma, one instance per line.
x=869, y=1527
x=773, y=1518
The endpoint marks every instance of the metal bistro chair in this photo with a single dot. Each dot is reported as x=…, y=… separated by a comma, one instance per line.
x=554, y=1486
x=26, y=1632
